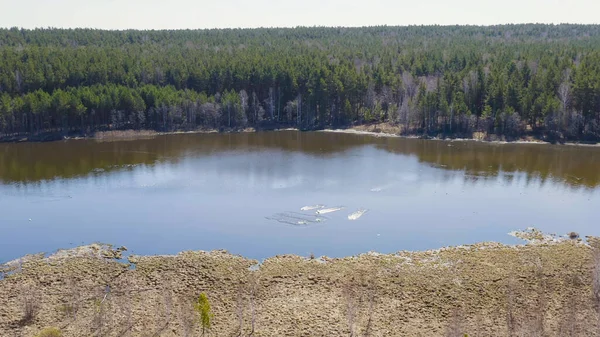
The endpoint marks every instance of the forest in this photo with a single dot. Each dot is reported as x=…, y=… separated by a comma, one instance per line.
x=510, y=80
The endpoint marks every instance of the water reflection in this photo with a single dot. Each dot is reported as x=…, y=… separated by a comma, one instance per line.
x=215, y=191
x=35, y=162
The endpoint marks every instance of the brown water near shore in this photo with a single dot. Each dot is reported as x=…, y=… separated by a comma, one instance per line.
x=30, y=162
x=243, y=191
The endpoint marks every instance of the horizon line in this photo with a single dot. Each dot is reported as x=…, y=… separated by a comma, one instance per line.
x=301, y=26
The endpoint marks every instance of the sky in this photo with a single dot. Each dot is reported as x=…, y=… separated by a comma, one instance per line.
x=193, y=14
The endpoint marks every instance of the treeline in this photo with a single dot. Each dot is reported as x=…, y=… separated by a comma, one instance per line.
x=455, y=80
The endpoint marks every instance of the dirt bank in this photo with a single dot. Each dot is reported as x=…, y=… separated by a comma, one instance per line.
x=392, y=130
x=114, y=135
x=141, y=134
x=488, y=289
x=375, y=129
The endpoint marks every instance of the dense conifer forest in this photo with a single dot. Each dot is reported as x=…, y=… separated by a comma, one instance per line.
x=509, y=80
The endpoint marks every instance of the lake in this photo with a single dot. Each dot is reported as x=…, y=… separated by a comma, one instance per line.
x=244, y=193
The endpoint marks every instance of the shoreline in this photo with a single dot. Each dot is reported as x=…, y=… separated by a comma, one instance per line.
x=364, y=130
x=376, y=130
x=475, y=288
x=530, y=236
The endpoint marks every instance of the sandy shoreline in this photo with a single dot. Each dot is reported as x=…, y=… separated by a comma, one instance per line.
x=376, y=130
x=486, y=289
x=356, y=130
x=364, y=130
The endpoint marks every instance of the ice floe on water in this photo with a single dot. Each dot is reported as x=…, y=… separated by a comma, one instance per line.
x=312, y=207
x=286, y=183
x=356, y=215
x=296, y=219
x=382, y=187
x=50, y=198
x=330, y=210
x=306, y=219
x=409, y=177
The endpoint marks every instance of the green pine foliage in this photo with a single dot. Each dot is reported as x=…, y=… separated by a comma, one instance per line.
x=454, y=80
x=205, y=315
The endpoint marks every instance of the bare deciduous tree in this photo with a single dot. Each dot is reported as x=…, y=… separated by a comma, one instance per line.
x=19, y=80
x=252, y=288
x=73, y=300
x=596, y=277
x=564, y=94
x=30, y=302
x=404, y=115
x=187, y=318
x=240, y=308
x=245, y=104
x=360, y=294
x=163, y=318
x=270, y=102
x=409, y=84
x=255, y=108
x=569, y=322
x=351, y=301
x=539, y=326
x=370, y=309
x=511, y=323
x=455, y=327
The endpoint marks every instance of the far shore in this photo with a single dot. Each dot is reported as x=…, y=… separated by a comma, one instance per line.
x=359, y=131
x=376, y=129
x=387, y=130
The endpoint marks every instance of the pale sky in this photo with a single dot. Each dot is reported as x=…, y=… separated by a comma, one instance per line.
x=179, y=14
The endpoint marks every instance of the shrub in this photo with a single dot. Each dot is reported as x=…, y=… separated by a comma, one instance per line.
x=203, y=310
x=50, y=332
x=30, y=309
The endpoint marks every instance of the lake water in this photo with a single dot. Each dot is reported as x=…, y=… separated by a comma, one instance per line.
x=228, y=191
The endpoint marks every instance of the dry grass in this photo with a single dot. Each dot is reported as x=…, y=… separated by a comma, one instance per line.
x=50, y=332
x=482, y=290
x=384, y=128
x=124, y=135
